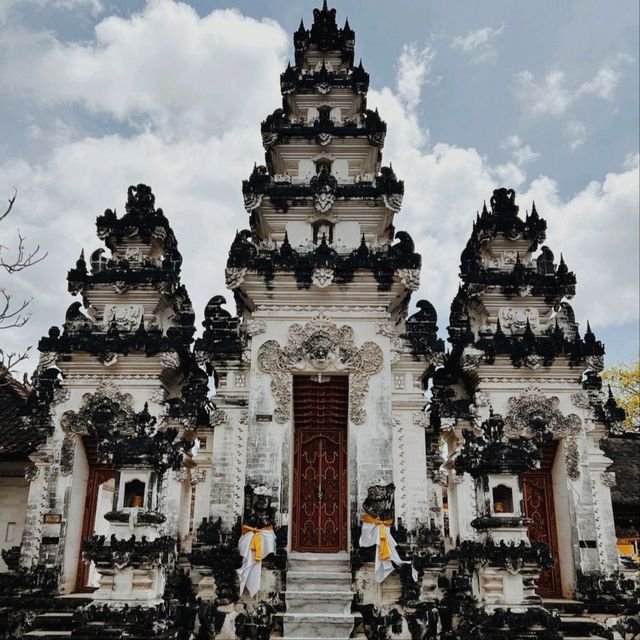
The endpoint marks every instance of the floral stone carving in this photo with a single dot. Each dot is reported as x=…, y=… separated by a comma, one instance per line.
x=535, y=415
x=320, y=345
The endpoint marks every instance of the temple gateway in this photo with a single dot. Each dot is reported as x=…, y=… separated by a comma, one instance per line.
x=317, y=464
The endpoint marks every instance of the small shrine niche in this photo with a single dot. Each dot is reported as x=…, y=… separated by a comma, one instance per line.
x=134, y=492
x=322, y=229
x=502, y=497
x=137, y=490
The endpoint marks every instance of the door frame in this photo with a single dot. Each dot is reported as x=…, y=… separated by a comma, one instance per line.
x=291, y=460
x=98, y=475
x=548, y=454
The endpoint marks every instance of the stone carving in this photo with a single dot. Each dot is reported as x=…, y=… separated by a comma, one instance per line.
x=170, y=359
x=320, y=345
x=324, y=139
x=67, y=454
x=380, y=500
x=255, y=327
x=234, y=276
x=120, y=287
x=393, y=201
x=535, y=415
x=197, y=475
x=509, y=257
x=420, y=419
x=124, y=316
x=322, y=277
x=106, y=405
x=515, y=320
x=398, y=382
x=217, y=416
x=258, y=511
x=252, y=200
x=410, y=278
x=386, y=329
x=581, y=399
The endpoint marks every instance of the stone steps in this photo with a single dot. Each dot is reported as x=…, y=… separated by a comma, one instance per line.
x=305, y=625
x=318, y=596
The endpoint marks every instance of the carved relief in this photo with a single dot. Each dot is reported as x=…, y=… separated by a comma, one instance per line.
x=234, y=276
x=322, y=277
x=255, y=327
x=320, y=345
x=125, y=316
x=410, y=278
x=393, y=201
x=515, y=320
x=535, y=415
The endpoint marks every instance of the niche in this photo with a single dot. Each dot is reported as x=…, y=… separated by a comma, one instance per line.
x=134, y=493
x=502, y=499
x=323, y=165
x=322, y=228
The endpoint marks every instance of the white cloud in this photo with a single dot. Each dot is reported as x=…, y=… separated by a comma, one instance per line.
x=414, y=68
x=576, y=133
x=479, y=44
x=520, y=152
x=165, y=66
x=550, y=96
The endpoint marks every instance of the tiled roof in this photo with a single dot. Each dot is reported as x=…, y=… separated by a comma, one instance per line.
x=17, y=437
x=625, y=453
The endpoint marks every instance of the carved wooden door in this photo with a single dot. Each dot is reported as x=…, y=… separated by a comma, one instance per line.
x=97, y=477
x=538, y=505
x=319, y=504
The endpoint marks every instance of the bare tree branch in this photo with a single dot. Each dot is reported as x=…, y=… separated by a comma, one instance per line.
x=12, y=317
x=11, y=201
x=23, y=260
x=9, y=361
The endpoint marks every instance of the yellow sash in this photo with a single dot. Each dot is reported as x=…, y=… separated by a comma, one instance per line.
x=385, y=549
x=256, y=541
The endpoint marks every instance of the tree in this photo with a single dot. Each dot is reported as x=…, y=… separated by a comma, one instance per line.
x=15, y=315
x=624, y=380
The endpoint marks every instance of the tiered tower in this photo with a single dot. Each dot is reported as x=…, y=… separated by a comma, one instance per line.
x=319, y=380
x=118, y=397
x=520, y=406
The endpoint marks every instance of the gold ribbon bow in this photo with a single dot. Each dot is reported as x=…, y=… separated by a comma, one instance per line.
x=385, y=549
x=256, y=541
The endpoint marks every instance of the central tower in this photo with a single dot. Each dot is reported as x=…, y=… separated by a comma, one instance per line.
x=320, y=376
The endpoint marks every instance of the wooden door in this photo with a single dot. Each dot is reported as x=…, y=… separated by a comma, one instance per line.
x=97, y=477
x=319, y=504
x=538, y=505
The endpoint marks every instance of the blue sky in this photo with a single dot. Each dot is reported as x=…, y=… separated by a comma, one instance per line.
x=542, y=97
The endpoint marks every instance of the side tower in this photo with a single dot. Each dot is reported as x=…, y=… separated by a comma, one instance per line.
x=117, y=400
x=319, y=377
x=520, y=407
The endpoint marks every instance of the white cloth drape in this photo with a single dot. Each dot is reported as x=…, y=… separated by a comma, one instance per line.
x=251, y=568
x=370, y=536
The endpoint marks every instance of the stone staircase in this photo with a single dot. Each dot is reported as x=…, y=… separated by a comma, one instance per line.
x=576, y=624
x=58, y=621
x=318, y=596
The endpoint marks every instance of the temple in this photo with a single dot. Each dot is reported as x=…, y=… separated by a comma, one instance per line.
x=315, y=462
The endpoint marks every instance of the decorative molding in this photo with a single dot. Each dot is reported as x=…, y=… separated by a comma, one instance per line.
x=532, y=414
x=308, y=308
x=320, y=345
